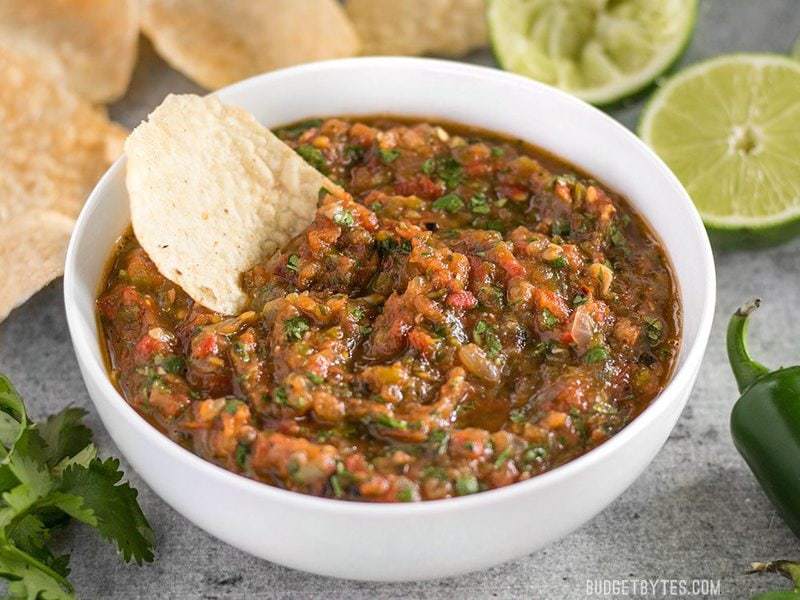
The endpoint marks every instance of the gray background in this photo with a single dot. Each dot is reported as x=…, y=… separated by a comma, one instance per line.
x=695, y=513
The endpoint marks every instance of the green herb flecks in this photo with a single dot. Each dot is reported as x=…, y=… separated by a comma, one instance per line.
x=559, y=262
x=450, y=172
x=389, y=422
x=391, y=245
x=502, y=458
x=388, y=156
x=340, y=480
x=439, y=438
x=242, y=452
x=354, y=153
x=240, y=350
x=173, y=364
x=653, y=330
x=517, y=416
x=617, y=238
x=579, y=299
x=405, y=494
x=314, y=378
x=479, y=204
x=295, y=130
x=560, y=228
x=293, y=263
x=534, y=454
x=279, y=396
x=485, y=336
x=295, y=328
x=450, y=203
x=549, y=320
x=434, y=472
x=467, y=484
x=596, y=354
x=314, y=157
x=344, y=218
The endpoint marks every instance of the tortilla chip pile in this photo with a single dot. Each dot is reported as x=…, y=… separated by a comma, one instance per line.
x=54, y=146
x=61, y=59
x=442, y=27
x=217, y=42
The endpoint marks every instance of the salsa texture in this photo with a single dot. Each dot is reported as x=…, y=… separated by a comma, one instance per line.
x=476, y=314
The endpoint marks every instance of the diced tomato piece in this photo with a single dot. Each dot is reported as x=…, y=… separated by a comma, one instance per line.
x=421, y=186
x=206, y=347
x=550, y=300
x=506, y=259
x=463, y=300
x=147, y=347
x=421, y=341
x=563, y=192
x=356, y=463
x=478, y=169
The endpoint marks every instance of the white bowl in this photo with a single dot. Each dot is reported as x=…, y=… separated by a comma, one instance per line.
x=429, y=539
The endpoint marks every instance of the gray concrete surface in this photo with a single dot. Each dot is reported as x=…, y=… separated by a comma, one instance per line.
x=695, y=513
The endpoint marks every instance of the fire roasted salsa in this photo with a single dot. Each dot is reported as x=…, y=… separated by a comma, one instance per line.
x=477, y=314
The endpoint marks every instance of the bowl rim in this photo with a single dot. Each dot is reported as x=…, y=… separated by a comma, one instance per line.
x=680, y=380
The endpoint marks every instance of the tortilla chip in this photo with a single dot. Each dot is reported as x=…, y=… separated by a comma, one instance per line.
x=32, y=248
x=55, y=146
x=442, y=27
x=217, y=42
x=89, y=44
x=212, y=192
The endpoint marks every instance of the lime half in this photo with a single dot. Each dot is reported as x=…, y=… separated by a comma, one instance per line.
x=730, y=130
x=598, y=50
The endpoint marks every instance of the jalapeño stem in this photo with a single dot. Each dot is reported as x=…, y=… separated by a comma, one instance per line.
x=745, y=369
x=787, y=568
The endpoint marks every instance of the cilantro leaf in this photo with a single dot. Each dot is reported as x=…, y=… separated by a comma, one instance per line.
x=65, y=434
x=596, y=354
x=480, y=205
x=27, y=463
x=314, y=157
x=293, y=263
x=116, y=512
x=13, y=418
x=31, y=579
x=450, y=171
x=48, y=473
x=344, y=218
x=450, y=203
x=30, y=535
x=295, y=130
x=295, y=328
x=388, y=156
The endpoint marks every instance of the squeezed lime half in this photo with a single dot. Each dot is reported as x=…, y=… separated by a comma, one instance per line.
x=598, y=50
x=730, y=130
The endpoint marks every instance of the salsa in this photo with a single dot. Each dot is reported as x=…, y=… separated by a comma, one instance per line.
x=475, y=313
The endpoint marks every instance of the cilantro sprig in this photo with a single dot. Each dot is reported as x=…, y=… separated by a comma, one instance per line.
x=49, y=472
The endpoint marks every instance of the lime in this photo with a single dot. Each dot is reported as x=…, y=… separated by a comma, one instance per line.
x=730, y=130
x=598, y=50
